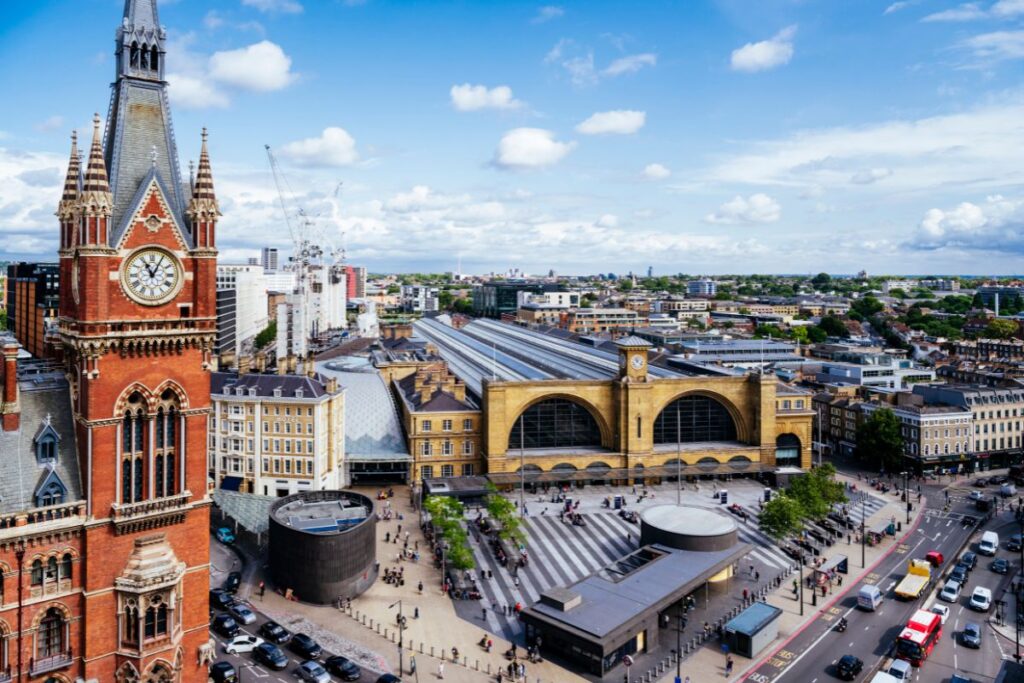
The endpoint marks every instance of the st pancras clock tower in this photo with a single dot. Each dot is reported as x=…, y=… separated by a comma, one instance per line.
x=137, y=329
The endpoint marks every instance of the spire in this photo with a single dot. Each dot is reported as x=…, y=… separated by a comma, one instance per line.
x=71, y=181
x=96, y=171
x=141, y=14
x=203, y=186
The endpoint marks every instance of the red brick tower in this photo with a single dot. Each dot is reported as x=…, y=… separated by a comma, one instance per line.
x=137, y=331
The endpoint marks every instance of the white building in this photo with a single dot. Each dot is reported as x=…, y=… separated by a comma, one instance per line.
x=702, y=287
x=419, y=299
x=906, y=285
x=564, y=300
x=327, y=299
x=279, y=281
x=251, y=315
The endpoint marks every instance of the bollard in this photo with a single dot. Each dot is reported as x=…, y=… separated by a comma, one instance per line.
x=431, y=650
x=378, y=627
x=421, y=647
x=476, y=665
x=488, y=668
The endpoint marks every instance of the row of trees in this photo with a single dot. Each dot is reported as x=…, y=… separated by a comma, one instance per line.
x=447, y=516
x=809, y=497
x=502, y=511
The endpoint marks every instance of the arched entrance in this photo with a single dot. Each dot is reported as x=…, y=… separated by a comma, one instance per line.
x=787, y=450
x=694, y=418
x=564, y=474
x=555, y=423
x=597, y=473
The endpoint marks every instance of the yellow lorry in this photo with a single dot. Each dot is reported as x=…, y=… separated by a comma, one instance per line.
x=919, y=575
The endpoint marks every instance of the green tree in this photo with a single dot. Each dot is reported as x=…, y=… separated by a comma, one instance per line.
x=805, y=491
x=781, y=517
x=1000, y=329
x=462, y=305
x=879, y=440
x=867, y=306
x=3, y=319
x=816, y=335
x=446, y=514
x=266, y=335
x=833, y=326
x=504, y=512
x=625, y=285
x=821, y=280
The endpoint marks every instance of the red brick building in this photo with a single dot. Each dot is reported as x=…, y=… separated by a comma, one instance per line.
x=104, y=516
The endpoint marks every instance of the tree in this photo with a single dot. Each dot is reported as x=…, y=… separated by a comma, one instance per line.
x=446, y=514
x=833, y=326
x=816, y=335
x=504, y=512
x=867, y=306
x=462, y=305
x=1000, y=328
x=445, y=299
x=805, y=491
x=879, y=440
x=821, y=280
x=781, y=517
x=3, y=319
x=625, y=285
x=266, y=335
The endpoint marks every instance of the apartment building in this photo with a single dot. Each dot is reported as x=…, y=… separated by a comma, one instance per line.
x=702, y=287
x=592, y=320
x=442, y=425
x=355, y=280
x=249, y=303
x=276, y=435
x=990, y=349
x=998, y=413
x=839, y=415
x=419, y=299
x=933, y=434
x=906, y=285
x=941, y=284
x=33, y=296
x=268, y=258
x=877, y=370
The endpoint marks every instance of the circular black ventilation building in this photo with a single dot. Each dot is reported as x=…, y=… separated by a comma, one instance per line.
x=323, y=545
x=686, y=527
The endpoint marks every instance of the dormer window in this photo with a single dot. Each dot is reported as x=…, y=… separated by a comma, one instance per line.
x=51, y=490
x=46, y=441
x=252, y=391
x=298, y=393
x=277, y=393
x=238, y=391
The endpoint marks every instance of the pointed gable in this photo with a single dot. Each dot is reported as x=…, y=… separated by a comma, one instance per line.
x=150, y=200
x=51, y=489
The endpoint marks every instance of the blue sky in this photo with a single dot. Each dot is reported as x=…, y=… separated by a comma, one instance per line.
x=700, y=136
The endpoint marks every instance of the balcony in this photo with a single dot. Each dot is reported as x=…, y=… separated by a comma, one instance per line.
x=150, y=514
x=38, y=667
x=5, y=676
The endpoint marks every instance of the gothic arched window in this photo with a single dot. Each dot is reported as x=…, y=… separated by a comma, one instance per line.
x=134, y=56
x=51, y=635
x=154, y=58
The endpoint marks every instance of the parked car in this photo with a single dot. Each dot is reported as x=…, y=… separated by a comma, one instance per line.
x=969, y=559
x=274, y=632
x=270, y=655
x=971, y=635
x=935, y=558
x=242, y=613
x=223, y=672
x=232, y=582
x=941, y=610
x=305, y=647
x=981, y=481
x=1013, y=545
x=225, y=625
x=849, y=667
x=981, y=599
x=242, y=644
x=976, y=495
x=342, y=667
x=959, y=574
x=1000, y=565
x=389, y=678
x=220, y=598
x=225, y=535
x=950, y=592
x=312, y=672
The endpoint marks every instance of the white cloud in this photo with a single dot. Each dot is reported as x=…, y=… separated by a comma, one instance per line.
x=50, y=123
x=896, y=7
x=1008, y=8
x=871, y=175
x=996, y=46
x=523, y=148
x=767, y=54
x=607, y=220
x=969, y=11
x=468, y=97
x=615, y=122
x=630, y=64
x=995, y=225
x=213, y=20
x=260, y=67
x=547, y=13
x=757, y=208
x=656, y=172
x=275, y=6
x=334, y=147
x=189, y=92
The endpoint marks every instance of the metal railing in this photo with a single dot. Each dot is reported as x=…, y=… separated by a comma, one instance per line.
x=37, y=667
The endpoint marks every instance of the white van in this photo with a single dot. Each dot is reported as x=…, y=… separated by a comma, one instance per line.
x=882, y=677
x=1007, y=490
x=989, y=543
x=869, y=597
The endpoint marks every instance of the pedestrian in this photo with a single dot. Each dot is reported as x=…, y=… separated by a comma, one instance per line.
x=757, y=576
x=419, y=587
x=751, y=570
x=415, y=612
x=400, y=530
x=263, y=589
x=440, y=669
x=728, y=665
x=744, y=600
x=387, y=537
x=839, y=578
x=483, y=613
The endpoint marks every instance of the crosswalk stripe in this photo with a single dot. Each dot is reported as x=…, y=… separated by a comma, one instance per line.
x=552, y=556
x=582, y=561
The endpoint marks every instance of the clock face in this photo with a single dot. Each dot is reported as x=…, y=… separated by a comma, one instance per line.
x=151, y=276
x=637, y=362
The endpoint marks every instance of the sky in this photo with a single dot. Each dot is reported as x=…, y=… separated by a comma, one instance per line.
x=696, y=136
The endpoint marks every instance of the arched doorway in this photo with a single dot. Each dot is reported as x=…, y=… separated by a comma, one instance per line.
x=555, y=423
x=787, y=450
x=565, y=473
x=597, y=473
x=694, y=419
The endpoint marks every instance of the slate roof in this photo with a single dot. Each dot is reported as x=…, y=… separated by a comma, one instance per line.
x=265, y=384
x=44, y=392
x=440, y=401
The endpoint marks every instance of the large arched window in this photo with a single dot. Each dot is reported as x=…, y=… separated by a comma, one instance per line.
x=787, y=450
x=693, y=419
x=51, y=637
x=132, y=444
x=555, y=423
x=166, y=451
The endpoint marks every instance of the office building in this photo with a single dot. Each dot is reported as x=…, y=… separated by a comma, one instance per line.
x=419, y=299
x=501, y=298
x=997, y=412
x=33, y=298
x=268, y=258
x=702, y=287
x=250, y=301
x=355, y=279
x=876, y=370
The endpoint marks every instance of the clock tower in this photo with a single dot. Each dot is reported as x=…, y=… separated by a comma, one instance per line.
x=633, y=358
x=137, y=328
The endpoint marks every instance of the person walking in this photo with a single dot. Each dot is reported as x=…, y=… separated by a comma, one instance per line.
x=728, y=665
x=483, y=613
x=440, y=669
x=263, y=589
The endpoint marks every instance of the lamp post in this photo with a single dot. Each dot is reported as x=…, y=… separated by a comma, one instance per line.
x=906, y=492
x=863, y=536
x=1020, y=586
x=679, y=461
x=401, y=632
x=680, y=625
x=801, y=583
x=19, y=553
x=522, y=469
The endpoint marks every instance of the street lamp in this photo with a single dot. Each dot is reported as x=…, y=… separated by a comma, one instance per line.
x=863, y=536
x=801, y=583
x=401, y=632
x=680, y=625
x=679, y=461
x=522, y=469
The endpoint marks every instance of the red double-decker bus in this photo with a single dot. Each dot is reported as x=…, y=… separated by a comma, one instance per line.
x=919, y=636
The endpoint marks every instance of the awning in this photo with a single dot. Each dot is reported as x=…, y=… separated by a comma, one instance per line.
x=703, y=469
x=231, y=483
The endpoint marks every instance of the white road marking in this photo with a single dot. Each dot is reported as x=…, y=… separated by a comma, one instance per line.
x=810, y=647
x=889, y=587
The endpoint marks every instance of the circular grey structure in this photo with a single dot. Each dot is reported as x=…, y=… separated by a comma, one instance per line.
x=685, y=527
x=323, y=545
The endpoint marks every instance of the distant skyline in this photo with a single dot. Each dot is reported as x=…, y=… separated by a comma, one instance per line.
x=711, y=136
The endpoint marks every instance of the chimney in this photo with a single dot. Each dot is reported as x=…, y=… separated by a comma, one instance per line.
x=332, y=385
x=10, y=409
x=459, y=391
x=426, y=393
x=244, y=365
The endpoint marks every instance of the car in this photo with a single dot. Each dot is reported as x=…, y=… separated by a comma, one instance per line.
x=305, y=647
x=225, y=625
x=274, y=632
x=232, y=582
x=935, y=558
x=270, y=655
x=243, y=643
x=1000, y=565
x=976, y=495
x=849, y=667
x=900, y=669
x=971, y=635
x=970, y=559
x=220, y=598
x=242, y=613
x=950, y=592
x=957, y=678
x=959, y=574
x=313, y=672
x=981, y=599
x=963, y=566
x=1013, y=545
x=389, y=678
x=342, y=667
x=223, y=672
x=981, y=481
x=941, y=610
x=999, y=480
x=225, y=535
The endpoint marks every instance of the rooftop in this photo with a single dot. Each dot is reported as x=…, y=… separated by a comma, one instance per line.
x=264, y=385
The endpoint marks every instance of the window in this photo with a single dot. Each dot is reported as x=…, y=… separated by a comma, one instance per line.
x=309, y=467
x=446, y=447
x=131, y=624
x=427, y=472
x=46, y=448
x=277, y=465
x=426, y=448
x=467, y=469
x=50, y=639
x=156, y=619
x=555, y=423
x=425, y=426
x=37, y=572
x=446, y=425
x=288, y=466
x=467, y=448
x=467, y=425
x=447, y=471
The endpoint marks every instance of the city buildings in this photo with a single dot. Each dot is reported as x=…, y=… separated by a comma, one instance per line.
x=268, y=258
x=595, y=320
x=997, y=416
x=501, y=298
x=941, y=284
x=744, y=353
x=877, y=370
x=355, y=279
x=33, y=297
x=703, y=287
x=326, y=299
x=276, y=434
x=419, y=299
x=104, y=516
x=905, y=285
x=933, y=434
x=546, y=308
x=990, y=349
x=249, y=302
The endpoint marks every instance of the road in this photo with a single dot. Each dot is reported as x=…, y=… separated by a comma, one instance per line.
x=810, y=656
x=223, y=562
